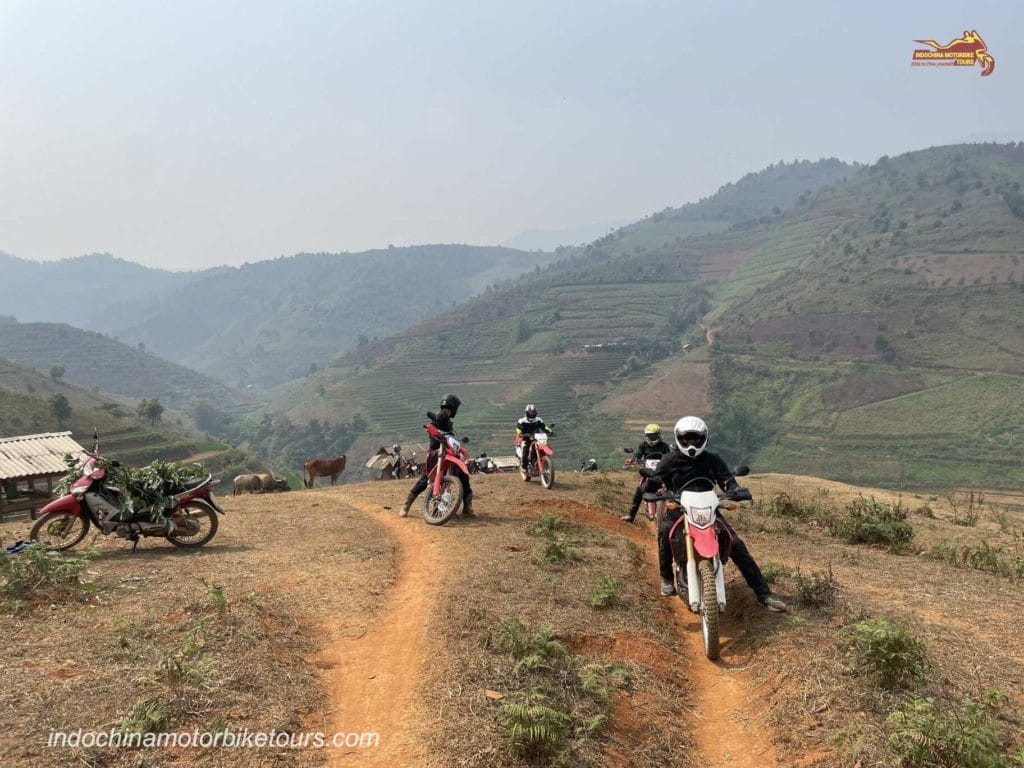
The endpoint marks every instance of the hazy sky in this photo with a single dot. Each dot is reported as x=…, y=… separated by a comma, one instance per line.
x=183, y=134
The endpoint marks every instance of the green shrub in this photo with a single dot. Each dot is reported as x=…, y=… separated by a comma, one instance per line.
x=606, y=593
x=771, y=572
x=145, y=716
x=872, y=522
x=818, y=589
x=38, y=571
x=890, y=652
x=925, y=737
x=533, y=725
x=602, y=680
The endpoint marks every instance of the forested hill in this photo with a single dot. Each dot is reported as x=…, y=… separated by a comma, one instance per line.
x=870, y=331
x=262, y=323
x=89, y=359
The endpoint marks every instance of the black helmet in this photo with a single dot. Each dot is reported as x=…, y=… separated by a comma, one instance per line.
x=451, y=402
x=531, y=411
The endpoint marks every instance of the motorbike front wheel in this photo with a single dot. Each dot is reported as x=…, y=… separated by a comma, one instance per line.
x=439, y=508
x=708, y=608
x=547, y=472
x=58, y=531
x=194, y=524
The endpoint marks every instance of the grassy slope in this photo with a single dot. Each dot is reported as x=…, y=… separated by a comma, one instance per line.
x=919, y=284
x=894, y=281
x=93, y=360
x=529, y=343
x=25, y=409
x=268, y=322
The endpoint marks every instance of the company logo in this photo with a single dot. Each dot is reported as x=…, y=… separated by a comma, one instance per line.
x=965, y=52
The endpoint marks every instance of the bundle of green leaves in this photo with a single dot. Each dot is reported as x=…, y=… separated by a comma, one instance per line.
x=145, y=489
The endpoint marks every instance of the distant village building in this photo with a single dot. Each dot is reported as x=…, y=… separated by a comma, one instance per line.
x=30, y=465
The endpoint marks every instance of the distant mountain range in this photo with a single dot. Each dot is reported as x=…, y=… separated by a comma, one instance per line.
x=861, y=323
x=265, y=323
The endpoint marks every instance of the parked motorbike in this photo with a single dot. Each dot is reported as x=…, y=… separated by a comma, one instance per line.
x=539, y=461
x=404, y=467
x=482, y=464
x=444, y=490
x=189, y=518
x=654, y=510
x=701, y=546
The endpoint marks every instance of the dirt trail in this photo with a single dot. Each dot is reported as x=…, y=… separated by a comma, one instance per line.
x=726, y=728
x=375, y=672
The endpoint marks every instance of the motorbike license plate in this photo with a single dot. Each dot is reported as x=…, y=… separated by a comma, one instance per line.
x=652, y=463
x=542, y=438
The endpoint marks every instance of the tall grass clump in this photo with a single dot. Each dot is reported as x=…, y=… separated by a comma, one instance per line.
x=867, y=521
x=894, y=656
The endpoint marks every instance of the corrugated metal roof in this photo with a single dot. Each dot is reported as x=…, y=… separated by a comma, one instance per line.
x=32, y=455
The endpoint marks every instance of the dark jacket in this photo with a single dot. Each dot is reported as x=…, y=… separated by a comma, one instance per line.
x=444, y=423
x=646, y=449
x=677, y=470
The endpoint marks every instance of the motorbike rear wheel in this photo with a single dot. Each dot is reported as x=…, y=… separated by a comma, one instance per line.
x=547, y=472
x=439, y=509
x=59, y=531
x=194, y=525
x=708, y=608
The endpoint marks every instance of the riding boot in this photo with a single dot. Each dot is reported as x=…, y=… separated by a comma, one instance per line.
x=404, y=511
x=467, y=506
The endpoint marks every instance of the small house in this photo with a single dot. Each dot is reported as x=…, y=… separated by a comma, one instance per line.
x=30, y=466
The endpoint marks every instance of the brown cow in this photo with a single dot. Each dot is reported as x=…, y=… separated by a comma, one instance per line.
x=247, y=484
x=315, y=468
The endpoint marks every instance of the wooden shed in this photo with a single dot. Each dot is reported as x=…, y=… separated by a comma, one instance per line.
x=30, y=465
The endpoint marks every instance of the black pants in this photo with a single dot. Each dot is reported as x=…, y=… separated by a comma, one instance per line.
x=739, y=554
x=651, y=484
x=527, y=448
x=424, y=480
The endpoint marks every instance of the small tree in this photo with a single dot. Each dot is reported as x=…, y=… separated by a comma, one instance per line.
x=151, y=410
x=61, y=409
x=57, y=372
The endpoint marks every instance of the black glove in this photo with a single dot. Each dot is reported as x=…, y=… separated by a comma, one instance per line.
x=740, y=494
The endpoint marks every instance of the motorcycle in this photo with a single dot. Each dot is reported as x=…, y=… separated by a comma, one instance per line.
x=701, y=546
x=444, y=489
x=539, y=461
x=404, y=467
x=588, y=465
x=482, y=464
x=190, y=518
x=654, y=510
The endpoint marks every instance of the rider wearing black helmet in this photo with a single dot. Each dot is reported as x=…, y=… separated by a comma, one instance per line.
x=443, y=421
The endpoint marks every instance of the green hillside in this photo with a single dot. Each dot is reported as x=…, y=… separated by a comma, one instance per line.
x=93, y=360
x=25, y=408
x=869, y=330
x=273, y=321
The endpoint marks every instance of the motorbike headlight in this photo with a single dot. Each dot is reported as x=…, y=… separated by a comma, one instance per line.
x=700, y=516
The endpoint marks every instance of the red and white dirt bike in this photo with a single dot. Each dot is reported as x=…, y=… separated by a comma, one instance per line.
x=444, y=489
x=654, y=510
x=190, y=519
x=539, y=461
x=700, y=548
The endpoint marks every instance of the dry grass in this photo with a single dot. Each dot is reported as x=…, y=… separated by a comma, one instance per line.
x=503, y=578
x=219, y=637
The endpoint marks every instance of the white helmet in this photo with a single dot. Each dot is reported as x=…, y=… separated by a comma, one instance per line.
x=691, y=436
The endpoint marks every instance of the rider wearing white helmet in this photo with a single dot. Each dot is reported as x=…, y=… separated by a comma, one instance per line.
x=679, y=468
x=526, y=428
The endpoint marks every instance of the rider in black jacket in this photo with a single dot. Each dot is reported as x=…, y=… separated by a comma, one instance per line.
x=676, y=471
x=652, y=446
x=443, y=421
